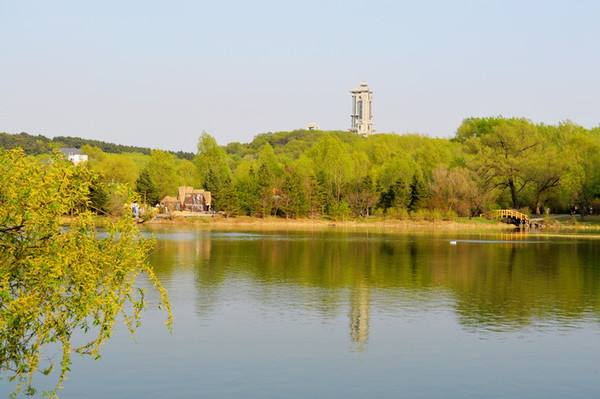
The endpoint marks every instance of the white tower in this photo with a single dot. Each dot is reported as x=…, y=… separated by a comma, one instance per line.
x=362, y=110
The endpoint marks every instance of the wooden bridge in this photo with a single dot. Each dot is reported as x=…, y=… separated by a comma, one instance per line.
x=512, y=217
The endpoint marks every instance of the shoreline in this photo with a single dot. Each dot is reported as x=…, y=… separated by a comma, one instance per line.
x=378, y=225
x=273, y=223
x=474, y=225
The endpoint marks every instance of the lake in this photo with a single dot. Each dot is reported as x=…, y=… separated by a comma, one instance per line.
x=355, y=314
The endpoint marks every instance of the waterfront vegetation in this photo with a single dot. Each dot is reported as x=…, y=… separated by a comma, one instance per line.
x=490, y=163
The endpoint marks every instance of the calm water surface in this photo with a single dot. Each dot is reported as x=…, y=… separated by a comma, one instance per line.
x=356, y=315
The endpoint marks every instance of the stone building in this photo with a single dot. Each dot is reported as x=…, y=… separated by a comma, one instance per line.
x=194, y=200
x=361, y=119
x=188, y=199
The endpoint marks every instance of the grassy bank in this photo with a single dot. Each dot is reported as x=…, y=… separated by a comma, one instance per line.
x=273, y=223
x=553, y=226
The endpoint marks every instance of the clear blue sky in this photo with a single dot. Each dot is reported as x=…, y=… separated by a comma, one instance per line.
x=158, y=73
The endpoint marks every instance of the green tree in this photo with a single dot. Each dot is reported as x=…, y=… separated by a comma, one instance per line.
x=264, y=188
x=245, y=188
x=229, y=201
x=581, y=185
x=458, y=190
x=294, y=202
x=546, y=172
x=396, y=196
x=333, y=165
x=417, y=193
x=188, y=173
x=56, y=281
x=362, y=196
x=162, y=168
x=503, y=153
x=112, y=168
x=146, y=188
x=98, y=196
x=213, y=167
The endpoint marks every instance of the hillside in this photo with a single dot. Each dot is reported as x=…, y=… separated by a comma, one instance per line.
x=34, y=145
x=293, y=144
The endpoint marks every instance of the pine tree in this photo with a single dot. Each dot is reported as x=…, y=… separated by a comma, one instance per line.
x=417, y=193
x=228, y=199
x=213, y=184
x=146, y=188
x=294, y=203
x=394, y=197
x=264, y=186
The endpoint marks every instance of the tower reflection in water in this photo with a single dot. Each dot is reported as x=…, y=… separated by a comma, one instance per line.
x=359, y=316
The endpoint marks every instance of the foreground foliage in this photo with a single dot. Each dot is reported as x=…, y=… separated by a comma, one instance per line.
x=57, y=282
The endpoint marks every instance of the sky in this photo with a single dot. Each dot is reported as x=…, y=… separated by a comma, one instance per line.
x=159, y=73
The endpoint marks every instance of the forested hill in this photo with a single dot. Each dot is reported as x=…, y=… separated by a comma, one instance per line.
x=293, y=144
x=34, y=145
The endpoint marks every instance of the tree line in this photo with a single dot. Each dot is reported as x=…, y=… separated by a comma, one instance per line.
x=35, y=145
x=490, y=163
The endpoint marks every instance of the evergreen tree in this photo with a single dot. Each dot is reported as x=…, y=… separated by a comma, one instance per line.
x=246, y=192
x=146, y=188
x=386, y=199
x=396, y=196
x=264, y=189
x=228, y=199
x=417, y=193
x=213, y=167
x=315, y=196
x=294, y=198
x=213, y=183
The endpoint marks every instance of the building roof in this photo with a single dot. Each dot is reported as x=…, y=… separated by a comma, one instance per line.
x=363, y=87
x=70, y=151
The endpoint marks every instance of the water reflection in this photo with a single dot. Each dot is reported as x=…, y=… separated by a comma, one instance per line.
x=359, y=316
x=498, y=285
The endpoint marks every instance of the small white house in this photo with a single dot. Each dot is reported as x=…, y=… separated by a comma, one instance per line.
x=74, y=155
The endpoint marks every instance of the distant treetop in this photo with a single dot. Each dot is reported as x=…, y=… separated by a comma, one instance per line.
x=34, y=145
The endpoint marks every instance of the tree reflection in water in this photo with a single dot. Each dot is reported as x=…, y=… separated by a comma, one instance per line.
x=495, y=285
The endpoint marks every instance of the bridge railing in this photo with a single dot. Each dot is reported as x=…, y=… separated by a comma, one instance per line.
x=510, y=214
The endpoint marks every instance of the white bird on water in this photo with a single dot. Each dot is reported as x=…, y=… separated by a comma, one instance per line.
x=452, y=242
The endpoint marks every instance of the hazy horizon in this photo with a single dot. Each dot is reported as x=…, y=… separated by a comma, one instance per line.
x=157, y=74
